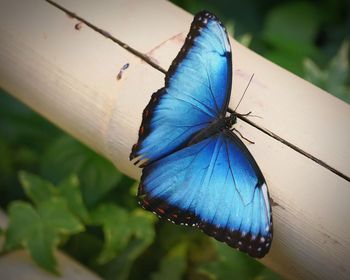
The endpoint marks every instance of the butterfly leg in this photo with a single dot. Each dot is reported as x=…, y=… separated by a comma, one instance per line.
x=248, y=114
x=240, y=134
x=244, y=115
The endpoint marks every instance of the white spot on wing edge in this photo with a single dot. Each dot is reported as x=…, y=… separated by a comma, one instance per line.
x=266, y=198
x=223, y=35
x=226, y=41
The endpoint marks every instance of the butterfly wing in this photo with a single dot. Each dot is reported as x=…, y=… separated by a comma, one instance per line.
x=197, y=91
x=216, y=185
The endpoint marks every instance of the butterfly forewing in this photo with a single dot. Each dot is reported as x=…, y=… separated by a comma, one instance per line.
x=197, y=91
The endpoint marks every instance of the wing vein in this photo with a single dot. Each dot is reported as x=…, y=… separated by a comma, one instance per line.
x=194, y=105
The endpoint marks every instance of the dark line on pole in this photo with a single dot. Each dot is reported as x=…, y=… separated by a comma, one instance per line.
x=292, y=146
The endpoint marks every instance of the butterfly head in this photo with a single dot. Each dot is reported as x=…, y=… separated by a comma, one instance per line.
x=231, y=120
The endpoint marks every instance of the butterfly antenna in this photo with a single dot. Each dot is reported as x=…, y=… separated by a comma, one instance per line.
x=250, y=80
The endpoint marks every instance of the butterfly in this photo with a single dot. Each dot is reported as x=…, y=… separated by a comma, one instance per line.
x=196, y=171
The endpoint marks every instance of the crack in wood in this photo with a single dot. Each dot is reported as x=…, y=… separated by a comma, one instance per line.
x=148, y=59
x=180, y=38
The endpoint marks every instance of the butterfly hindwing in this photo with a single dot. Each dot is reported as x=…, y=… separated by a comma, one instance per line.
x=197, y=91
x=216, y=185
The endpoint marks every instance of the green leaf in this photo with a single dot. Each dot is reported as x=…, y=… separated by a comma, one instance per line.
x=339, y=73
x=115, y=227
x=335, y=77
x=232, y=264
x=39, y=230
x=314, y=74
x=142, y=225
x=57, y=215
x=23, y=127
x=230, y=28
x=290, y=31
x=119, y=226
x=40, y=243
x=40, y=190
x=70, y=190
x=245, y=39
x=293, y=27
x=97, y=176
x=127, y=235
x=36, y=188
x=173, y=265
x=22, y=217
x=291, y=61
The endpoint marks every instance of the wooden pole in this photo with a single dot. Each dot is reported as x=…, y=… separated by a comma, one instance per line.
x=67, y=71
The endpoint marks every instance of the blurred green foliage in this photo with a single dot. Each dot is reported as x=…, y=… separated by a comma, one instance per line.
x=334, y=77
x=39, y=227
x=70, y=197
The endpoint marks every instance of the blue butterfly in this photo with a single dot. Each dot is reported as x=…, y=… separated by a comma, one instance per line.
x=196, y=171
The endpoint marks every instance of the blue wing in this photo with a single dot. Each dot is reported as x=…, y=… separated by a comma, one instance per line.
x=197, y=91
x=215, y=185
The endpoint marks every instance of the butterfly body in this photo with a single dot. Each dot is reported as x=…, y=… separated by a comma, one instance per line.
x=196, y=171
x=217, y=126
